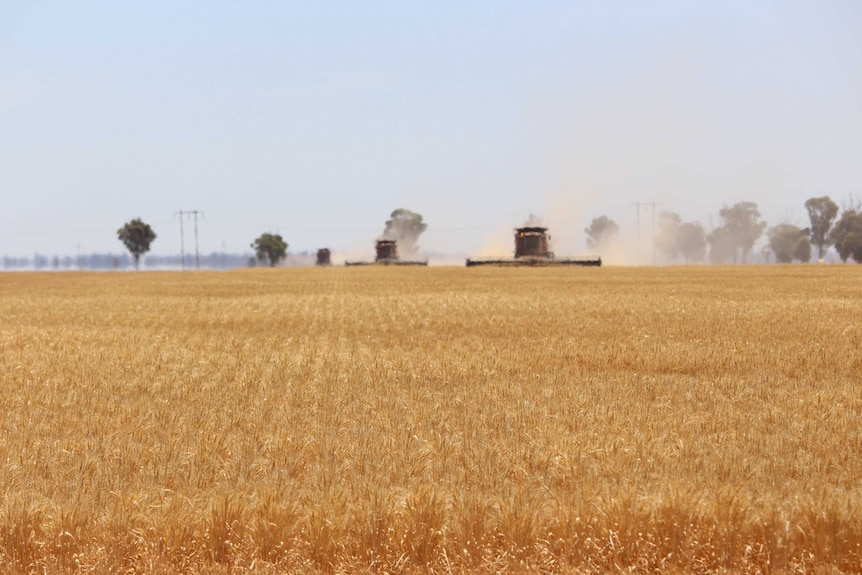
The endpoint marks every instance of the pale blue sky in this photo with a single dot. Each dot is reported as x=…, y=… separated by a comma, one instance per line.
x=317, y=119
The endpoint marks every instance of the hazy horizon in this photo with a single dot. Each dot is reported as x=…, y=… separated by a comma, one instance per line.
x=317, y=121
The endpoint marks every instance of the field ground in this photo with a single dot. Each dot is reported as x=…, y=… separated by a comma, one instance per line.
x=684, y=419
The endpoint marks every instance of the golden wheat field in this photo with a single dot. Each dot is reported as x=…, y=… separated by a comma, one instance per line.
x=446, y=420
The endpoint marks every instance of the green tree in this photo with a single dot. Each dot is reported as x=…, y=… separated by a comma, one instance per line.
x=270, y=248
x=137, y=237
x=676, y=239
x=822, y=212
x=788, y=243
x=601, y=231
x=722, y=246
x=741, y=228
x=802, y=249
x=846, y=236
x=405, y=227
x=691, y=242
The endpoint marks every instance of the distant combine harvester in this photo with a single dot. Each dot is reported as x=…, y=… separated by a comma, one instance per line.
x=387, y=255
x=531, y=249
x=324, y=257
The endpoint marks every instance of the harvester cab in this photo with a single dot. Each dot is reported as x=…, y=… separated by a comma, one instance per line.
x=532, y=242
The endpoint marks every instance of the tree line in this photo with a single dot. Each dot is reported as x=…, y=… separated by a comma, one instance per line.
x=732, y=241
x=123, y=260
x=403, y=226
x=741, y=227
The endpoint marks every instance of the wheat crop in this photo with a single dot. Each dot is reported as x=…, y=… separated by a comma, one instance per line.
x=447, y=420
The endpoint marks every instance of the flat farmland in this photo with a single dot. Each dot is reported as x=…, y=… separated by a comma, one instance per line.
x=449, y=420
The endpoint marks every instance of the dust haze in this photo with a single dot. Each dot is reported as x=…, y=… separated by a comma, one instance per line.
x=690, y=123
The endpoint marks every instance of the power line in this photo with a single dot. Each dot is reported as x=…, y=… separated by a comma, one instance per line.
x=197, y=255
x=190, y=214
x=182, y=242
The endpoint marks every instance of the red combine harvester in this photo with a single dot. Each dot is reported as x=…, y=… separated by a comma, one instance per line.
x=387, y=255
x=531, y=249
x=324, y=257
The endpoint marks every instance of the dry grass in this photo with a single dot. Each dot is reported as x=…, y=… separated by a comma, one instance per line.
x=440, y=419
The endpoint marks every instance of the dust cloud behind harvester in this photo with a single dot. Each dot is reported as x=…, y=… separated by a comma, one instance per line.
x=386, y=254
